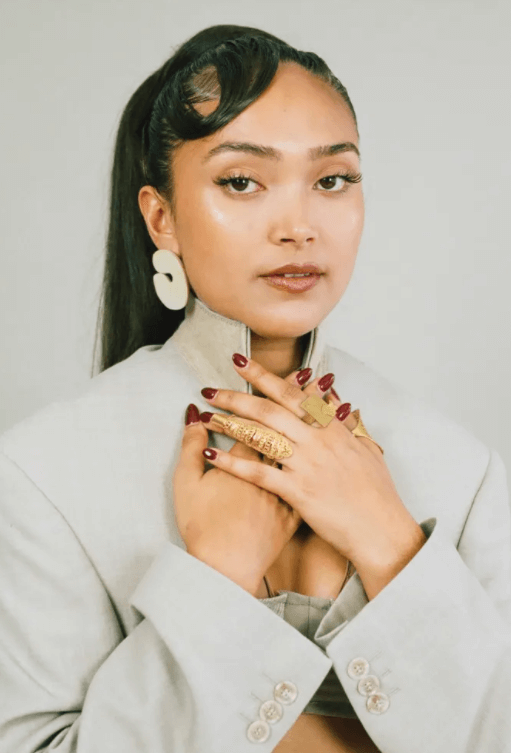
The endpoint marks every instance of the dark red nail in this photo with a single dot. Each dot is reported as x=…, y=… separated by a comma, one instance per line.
x=239, y=360
x=343, y=411
x=192, y=414
x=208, y=392
x=205, y=416
x=326, y=382
x=334, y=393
x=209, y=453
x=303, y=376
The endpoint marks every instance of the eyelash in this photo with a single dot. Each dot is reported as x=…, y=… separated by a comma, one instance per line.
x=348, y=176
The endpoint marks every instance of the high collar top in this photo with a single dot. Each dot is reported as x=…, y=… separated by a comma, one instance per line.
x=207, y=341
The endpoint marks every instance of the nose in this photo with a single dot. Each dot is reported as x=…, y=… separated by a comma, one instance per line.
x=294, y=226
x=299, y=236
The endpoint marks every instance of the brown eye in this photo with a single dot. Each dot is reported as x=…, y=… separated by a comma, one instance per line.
x=236, y=180
x=346, y=177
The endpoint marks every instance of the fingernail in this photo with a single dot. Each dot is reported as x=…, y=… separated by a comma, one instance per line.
x=205, y=416
x=209, y=453
x=326, y=382
x=343, y=411
x=192, y=415
x=239, y=360
x=334, y=393
x=209, y=393
x=303, y=376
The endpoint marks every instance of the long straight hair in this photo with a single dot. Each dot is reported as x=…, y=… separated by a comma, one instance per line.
x=232, y=64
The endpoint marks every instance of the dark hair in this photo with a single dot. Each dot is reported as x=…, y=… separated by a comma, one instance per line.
x=234, y=64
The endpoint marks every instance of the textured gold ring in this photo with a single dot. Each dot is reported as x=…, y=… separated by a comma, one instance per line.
x=266, y=441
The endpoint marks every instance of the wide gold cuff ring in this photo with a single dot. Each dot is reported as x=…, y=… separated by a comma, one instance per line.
x=323, y=413
x=361, y=431
x=317, y=410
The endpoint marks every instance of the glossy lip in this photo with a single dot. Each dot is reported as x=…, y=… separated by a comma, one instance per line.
x=295, y=269
x=292, y=284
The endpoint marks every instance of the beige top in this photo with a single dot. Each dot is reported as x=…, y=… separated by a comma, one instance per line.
x=305, y=613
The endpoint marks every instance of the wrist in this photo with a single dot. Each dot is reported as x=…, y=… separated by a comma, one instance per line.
x=377, y=566
x=232, y=570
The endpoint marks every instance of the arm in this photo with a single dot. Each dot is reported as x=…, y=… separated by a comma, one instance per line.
x=190, y=677
x=437, y=636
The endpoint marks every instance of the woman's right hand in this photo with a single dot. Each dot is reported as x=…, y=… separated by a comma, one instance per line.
x=230, y=524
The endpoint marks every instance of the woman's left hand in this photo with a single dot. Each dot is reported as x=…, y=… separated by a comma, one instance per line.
x=338, y=483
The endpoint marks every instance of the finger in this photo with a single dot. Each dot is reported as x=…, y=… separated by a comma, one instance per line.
x=350, y=421
x=259, y=474
x=264, y=411
x=279, y=390
x=240, y=449
x=190, y=465
x=321, y=389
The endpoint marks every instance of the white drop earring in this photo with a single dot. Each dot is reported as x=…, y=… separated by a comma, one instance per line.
x=172, y=293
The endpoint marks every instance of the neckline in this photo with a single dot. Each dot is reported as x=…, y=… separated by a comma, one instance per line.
x=206, y=340
x=293, y=597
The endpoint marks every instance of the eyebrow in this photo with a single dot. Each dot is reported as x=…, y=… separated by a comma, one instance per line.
x=269, y=152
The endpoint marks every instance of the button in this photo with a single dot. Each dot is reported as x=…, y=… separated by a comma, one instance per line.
x=378, y=703
x=286, y=692
x=271, y=711
x=258, y=732
x=368, y=685
x=358, y=668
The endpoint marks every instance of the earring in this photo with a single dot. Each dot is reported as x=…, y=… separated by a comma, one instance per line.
x=172, y=293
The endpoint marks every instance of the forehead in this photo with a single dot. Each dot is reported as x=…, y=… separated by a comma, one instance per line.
x=296, y=113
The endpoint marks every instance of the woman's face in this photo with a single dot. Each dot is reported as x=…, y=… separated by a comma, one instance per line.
x=286, y=210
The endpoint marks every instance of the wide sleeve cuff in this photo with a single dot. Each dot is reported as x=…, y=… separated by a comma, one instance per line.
x=231, y=645
x=351, y=600
x=416, y=659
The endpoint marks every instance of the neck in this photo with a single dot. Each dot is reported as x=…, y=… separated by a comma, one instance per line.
x=281, y=356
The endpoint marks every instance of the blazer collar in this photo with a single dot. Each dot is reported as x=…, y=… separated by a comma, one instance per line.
x=206, y=340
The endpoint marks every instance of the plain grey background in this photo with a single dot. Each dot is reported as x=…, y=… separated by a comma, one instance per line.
x=429, y=304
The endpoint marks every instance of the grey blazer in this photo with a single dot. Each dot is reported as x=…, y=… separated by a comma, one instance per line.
x=113, y=638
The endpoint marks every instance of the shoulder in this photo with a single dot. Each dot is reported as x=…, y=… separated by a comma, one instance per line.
x=393, y=405
x=115, y=406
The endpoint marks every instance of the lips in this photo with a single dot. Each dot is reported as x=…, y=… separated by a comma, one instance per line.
x=292, y=284
x=295, y=269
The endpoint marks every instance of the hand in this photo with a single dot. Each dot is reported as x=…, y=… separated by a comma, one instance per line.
x=338, y=483
x=227, y=522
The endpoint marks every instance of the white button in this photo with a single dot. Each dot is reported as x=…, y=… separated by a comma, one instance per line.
x=378, y=703
x=286, y=692
x=368, y=685
x=258, y=731
x=358, y=668
x=271, y=711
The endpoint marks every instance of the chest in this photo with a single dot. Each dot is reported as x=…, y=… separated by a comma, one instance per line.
x=308, y=565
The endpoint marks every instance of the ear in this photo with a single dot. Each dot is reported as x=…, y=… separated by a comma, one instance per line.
x=158, y=218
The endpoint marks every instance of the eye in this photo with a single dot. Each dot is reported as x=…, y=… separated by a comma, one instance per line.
x=235, y=179
x=348, y=177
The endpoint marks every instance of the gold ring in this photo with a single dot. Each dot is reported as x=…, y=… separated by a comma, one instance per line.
x=361, y=431
x=318, y=410
x=266, y=441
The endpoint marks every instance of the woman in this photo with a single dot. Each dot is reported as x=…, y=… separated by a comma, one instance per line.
x=173, y=585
